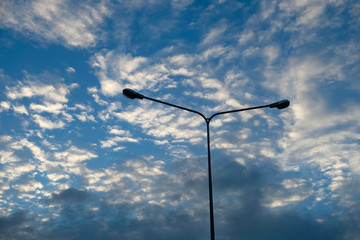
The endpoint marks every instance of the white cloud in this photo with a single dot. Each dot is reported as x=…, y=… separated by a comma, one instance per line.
x=29, y=89
x=56, y=176
x=272, y=53
x=59, y=21
x=14, y=171
x=214, y=34
x=141, y=174
x=7, y=157
x=46, y=94
x=286, y=201
x=4, y=106
x=111, y=87
x=46, y=123
x=214, y=52
x=163, y=122
x=307, y=14
x=94, y=93
x=85, y=117
x=119, y=132
x=74, y=155
x=267, y=8
x=308, y=11
x=314, y=133
x=5, y=138
x=118, y=71
x=310, y=15
x=246, y=37
x=49, y=145
x=37, y=152
x=158, y=122
x=293, y=183
x=182, y=72
x=251, y=51
x=54, y=108
x=28, y=187
x=127, y=64
x=182, y=60
x=114, y=140
x=70, y=70
x=145, y=169
x=56, y=165
x=210, y=83
x=300, y=80
x=21, y=109
x=118, y=149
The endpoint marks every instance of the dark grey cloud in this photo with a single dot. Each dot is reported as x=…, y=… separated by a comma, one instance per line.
x=76, y=220
x=247, y=217
x=16, y=226
x=240, y=213
x=71, y=195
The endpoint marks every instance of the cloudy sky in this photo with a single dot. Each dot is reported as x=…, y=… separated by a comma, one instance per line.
x=78, y=160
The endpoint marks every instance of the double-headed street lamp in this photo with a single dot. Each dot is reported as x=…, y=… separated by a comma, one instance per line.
x=279, y=105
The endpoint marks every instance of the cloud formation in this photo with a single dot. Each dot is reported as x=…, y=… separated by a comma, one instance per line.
x=75, y=25
x=78, y=160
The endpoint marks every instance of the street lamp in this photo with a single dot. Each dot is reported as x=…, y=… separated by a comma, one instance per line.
x=279, y=105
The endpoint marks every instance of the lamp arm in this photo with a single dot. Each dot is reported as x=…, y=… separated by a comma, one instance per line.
x=237, y=110
x=173, y=105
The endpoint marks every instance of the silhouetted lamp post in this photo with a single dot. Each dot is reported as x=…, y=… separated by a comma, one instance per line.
x=279, y=105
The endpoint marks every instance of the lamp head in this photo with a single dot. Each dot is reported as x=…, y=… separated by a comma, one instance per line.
x=280, y=104
x=129, y=93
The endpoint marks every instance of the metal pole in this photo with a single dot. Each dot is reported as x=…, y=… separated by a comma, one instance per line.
x=212, y=228
x=280, y=105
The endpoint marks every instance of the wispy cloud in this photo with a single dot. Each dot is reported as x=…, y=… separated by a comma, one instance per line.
x=214, y=34
x=56, y=21
x=42, y=95
x=313, y=115
x=46, y=123
x=32, y=87
x=20, y=109
x=117, y=71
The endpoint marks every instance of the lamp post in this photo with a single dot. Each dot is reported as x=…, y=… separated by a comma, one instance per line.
x=279, y=105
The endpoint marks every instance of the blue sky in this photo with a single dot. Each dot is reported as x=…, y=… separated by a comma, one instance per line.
x=78, y=160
